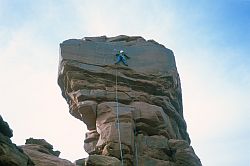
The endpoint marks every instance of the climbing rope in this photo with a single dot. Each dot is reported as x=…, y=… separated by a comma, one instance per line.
x=117, y=118
x=134, y=128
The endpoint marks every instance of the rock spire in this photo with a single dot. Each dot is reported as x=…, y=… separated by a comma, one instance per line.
x=134, y=113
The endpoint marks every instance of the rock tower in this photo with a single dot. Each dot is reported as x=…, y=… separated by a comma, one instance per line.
x=134, y=113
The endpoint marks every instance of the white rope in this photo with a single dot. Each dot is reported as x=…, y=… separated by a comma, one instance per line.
x=136, y=146
x=117, y=118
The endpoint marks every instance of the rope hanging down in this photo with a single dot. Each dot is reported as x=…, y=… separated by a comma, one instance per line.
x=117, y=118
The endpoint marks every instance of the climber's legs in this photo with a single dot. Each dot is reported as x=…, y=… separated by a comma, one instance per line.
x=124, y=61
x=119, y=58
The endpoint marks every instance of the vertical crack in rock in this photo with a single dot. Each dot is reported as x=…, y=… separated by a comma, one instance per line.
x=152, y=128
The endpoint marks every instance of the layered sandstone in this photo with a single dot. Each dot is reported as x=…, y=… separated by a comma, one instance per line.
x=42, y=154
x=35, y=151
x=10, y=154
x=133, y=113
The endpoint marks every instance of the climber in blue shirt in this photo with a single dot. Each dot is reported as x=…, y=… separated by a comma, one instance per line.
x=121, y=57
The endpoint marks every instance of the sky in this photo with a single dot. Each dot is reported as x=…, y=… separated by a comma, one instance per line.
x=210, y=40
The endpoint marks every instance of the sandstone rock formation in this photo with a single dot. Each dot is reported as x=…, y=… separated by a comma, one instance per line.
x=42, y=154
x=98, y=160
x=35, y=151
x=10, y=154
x=133, y=113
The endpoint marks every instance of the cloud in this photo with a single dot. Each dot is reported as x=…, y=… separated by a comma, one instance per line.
x=33, y=105
x=215, y=94
x=215, y=77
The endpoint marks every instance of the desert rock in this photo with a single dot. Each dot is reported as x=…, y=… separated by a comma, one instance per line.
x=10, y=154
x=134, y=113
x=42, y=154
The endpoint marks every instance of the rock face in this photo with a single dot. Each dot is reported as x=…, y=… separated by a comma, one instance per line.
x=42, y=154
x=133, y=113
x=10, y=154
x=35, y=151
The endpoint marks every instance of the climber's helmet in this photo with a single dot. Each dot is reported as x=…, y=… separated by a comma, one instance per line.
x=121, y=51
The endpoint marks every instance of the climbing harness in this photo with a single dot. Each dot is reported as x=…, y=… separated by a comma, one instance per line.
x=117, y=118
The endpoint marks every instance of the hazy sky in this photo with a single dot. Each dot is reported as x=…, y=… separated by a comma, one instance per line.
x=210, y=39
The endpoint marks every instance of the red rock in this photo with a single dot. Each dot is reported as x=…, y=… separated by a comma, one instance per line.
x=151, y=125
x=40, y=156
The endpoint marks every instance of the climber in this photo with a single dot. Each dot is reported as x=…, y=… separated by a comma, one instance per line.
x=122, y=57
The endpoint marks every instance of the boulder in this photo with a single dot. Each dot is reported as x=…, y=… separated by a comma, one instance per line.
x=100, y=160
x=86, y=112
x=91, y=139
x=183, y=153
x=42, y=154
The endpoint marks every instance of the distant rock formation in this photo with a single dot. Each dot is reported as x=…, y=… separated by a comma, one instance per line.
x=10, y=154
x=133, y=113
x=42, y=154
x=35, y=151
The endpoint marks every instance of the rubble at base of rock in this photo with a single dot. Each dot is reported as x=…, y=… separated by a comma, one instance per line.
x=151, y=123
